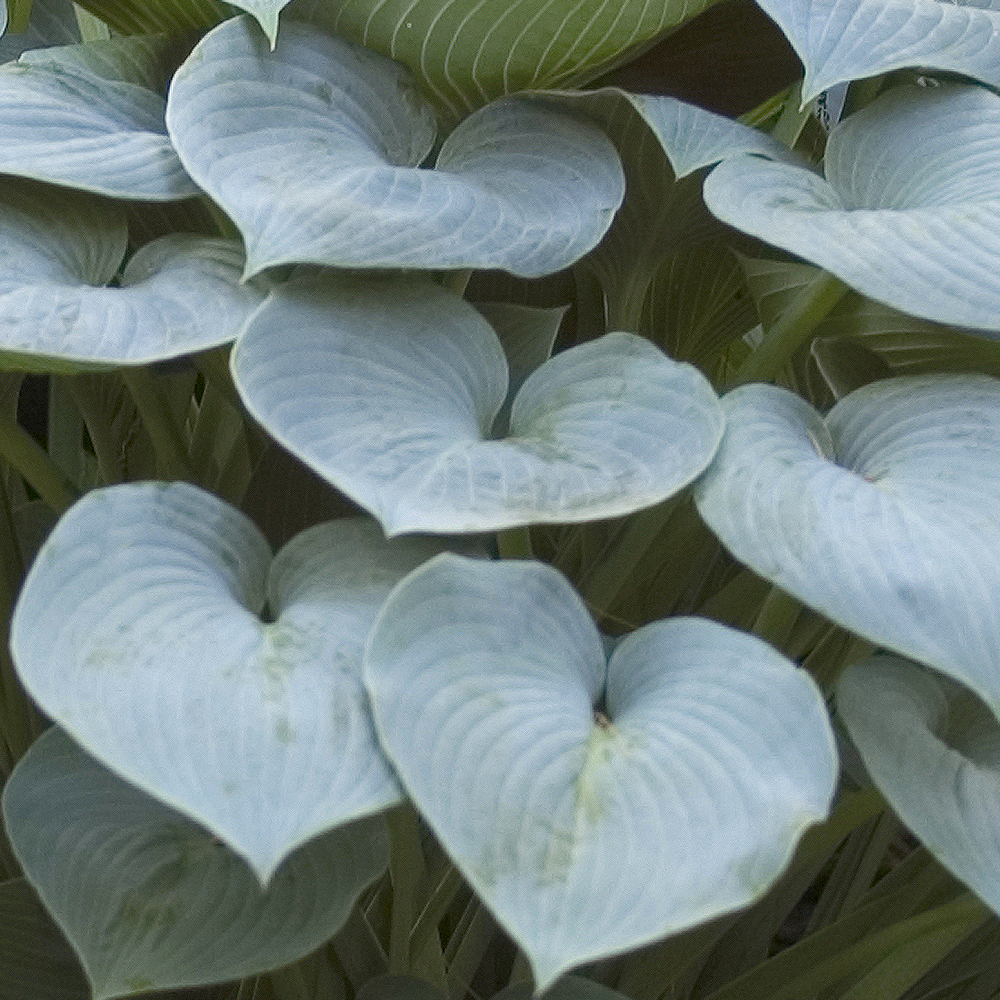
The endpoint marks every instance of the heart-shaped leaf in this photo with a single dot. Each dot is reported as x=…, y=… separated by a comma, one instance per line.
x=389, y=390
x=138, y=631
x=178, y=294
x=150, y=900
x=465, y=53
x=69, y=127
x=909, y=208
x=842, y=40
x=883, y=516
x=591, y=833
x=933, y=749
x=314, y=150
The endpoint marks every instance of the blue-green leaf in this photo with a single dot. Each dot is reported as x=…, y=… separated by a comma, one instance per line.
x=389, y=389
x=150, y=900
x=907, y=212
x=842, y=40
x=139, y=631
x=882, y=516
x=315, y=151
x=594, y=805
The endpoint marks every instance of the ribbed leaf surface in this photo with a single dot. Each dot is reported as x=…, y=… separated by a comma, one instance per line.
x=883, y=516
x=148, y=899
x=909, y=208
x=934, y=752
x=389, y=389
x=314, y=150
x=841, y=40
x=138, y=630
x=591, y=834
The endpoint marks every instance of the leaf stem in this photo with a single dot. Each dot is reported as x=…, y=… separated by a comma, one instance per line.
x=106, y=449
x=31, y=460
x=515, y=543
x=171, y=453
x=406, y=870
x=792, y=119
x=792, y=330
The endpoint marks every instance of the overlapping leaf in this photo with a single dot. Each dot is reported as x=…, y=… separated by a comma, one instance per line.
x=138, y=630
x=315, y=149
x=465, y=53
x=842, y=40
x=69, y=127
x=150, y=900
x=883, y=516
x=588, y=834
x=933, y=749
x=178, y=294
x=389, y=389
x=909, y=208
x=52, y=22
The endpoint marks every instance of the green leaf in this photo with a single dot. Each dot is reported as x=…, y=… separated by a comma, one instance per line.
x=933, y=750
x=150, y=900
x=389, y=389
x=842, y=40
x=907, y=212
x=566, y=988
x=590, y=833
x=69, y=127
x=881, y=517
x=35, y=960
x=178, y=294
x=138, y=17
x=314, y=150
x=466, y=53
x=162, y=668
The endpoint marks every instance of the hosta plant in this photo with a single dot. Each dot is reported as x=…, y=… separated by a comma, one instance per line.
x=471, y=525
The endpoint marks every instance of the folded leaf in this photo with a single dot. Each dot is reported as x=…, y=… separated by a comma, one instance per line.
x=315, y=149
x=389, y=389
x=162, y=668
x=595, y=805
x=150, y=900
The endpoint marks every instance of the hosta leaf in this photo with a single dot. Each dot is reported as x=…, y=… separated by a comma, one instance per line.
x=933, y=749
x=52, y=22
x=69, y=127
x=161, y=667
x=389, y=389
x=566, y=988
x=882, y=516
x=35, y=960
x=591, y=834
x=465, y=53
x=144, y=60
x=137, y=17
x=314, y=150
x=150, y=900
x=842, y=40
x=909, y=208
x=178, y=294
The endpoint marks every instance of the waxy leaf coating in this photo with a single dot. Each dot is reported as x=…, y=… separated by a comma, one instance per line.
x=593, y=804
x=390, y=389
x=150, y=900
x=315, y=150
x=139, y=631
x=882, y=515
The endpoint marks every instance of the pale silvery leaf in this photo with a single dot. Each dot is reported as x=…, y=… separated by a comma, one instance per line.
x=69, y=127
x=389, y=389
x=178, y=294
x=589, y=832
x=843, y=40
x=315, y=151
x=909, y=208
x=149, y=899
x=933, y=750
x=883, y=516
x=139, y=631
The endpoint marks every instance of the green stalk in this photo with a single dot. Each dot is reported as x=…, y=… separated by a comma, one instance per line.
x=107, y=449
x=792, y=119
x=171, y=454
x=809, y=307
x=777, y=618
x=65, y=430
x=515, y=543
x=31, y=460
x=406, y=871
